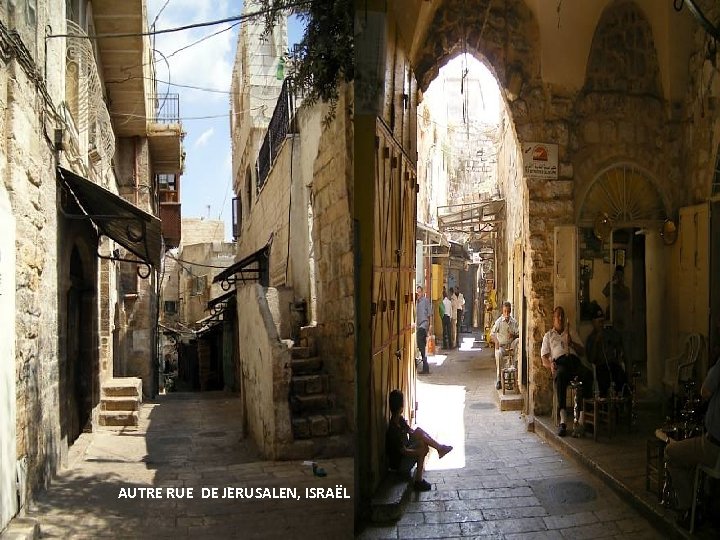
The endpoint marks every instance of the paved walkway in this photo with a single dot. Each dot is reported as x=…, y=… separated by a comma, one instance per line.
x=188, y=441
x=500, y=481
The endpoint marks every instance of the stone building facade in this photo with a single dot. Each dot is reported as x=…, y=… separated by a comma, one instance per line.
x=295, y=203
x=72, y=169
x=626, y=90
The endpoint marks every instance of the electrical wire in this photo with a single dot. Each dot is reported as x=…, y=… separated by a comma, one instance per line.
x=179, y=260
x=234, y=18
x=226, y=115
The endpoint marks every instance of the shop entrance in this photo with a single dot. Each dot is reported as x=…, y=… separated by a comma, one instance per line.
x=77, y=374
x=621, y=265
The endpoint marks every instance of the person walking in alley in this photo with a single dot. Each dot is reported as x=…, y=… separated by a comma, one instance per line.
x=423, y=312
x=504, y=335
x=453, y=317
x=460, y=310
x=447, y=307
x=683, y=456
x=560, y=351
x=406, y=447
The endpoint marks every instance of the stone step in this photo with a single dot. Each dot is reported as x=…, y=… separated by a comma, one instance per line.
x=310, y=384
x=307, y=337
x=21, y=528
x=120, y=403
x=388, y=500
x=320, y=424
x=306, y=366
x=122, y=387
x=302, y=352
x=313, y=403
x=317, y=448
x=118, y=418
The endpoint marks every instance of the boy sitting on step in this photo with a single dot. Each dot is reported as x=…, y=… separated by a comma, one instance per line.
x=406, y=447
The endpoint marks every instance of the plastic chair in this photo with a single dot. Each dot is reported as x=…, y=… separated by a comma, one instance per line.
x=713, y=472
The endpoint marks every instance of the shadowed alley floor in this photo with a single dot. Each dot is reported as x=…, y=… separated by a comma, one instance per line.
x=188, y=441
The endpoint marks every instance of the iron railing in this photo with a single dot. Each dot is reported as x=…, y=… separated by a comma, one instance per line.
x=278, y=129
x=167, y=108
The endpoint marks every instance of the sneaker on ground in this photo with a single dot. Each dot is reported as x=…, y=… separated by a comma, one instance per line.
x=562, y=431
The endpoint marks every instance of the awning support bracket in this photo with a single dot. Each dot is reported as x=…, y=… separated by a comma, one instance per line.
x=143, y=270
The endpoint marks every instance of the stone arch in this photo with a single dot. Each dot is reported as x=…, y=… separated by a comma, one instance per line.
x=506, y=36
x=594, y=167
x=622, y=56
x=625, y=192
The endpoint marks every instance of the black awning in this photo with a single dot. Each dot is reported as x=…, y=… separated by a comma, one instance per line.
x=133, y=228
x=252, y=267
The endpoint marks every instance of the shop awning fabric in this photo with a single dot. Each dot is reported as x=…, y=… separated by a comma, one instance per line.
x=133, y=228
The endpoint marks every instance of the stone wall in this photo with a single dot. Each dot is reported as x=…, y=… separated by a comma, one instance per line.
x=269, y=218
x=309, y=185
x=138, y=342
x=209, y=259
x=332, y=239
x=27, y=173
x=699, y=135
x=264, y=362
x=199, y=231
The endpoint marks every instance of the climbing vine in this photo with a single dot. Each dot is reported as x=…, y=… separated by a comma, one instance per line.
x=324, y=58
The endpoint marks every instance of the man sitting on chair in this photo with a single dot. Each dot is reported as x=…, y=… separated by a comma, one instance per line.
x=504, y=335
x=683, y=456
x=560, y=352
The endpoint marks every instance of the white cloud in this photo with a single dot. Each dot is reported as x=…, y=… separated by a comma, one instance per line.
x=207, y=64
x=203, y=139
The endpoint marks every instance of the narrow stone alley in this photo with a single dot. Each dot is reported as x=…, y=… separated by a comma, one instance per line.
x=189, y=441
x=500, y=480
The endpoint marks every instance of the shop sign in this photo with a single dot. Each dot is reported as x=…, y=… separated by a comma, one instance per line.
x=540, y=160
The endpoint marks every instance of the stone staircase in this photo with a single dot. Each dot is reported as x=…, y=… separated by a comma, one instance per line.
x=318, y=425
x=120, y=401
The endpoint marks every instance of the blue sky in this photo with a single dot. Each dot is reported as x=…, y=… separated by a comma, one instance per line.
x=206, y=185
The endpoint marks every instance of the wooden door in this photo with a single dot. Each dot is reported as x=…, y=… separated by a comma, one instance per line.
x=694, y=277
x=393, y=289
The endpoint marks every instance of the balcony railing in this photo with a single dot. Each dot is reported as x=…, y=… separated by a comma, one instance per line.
x=84, y=95
x=279, y=127
x=167, y=108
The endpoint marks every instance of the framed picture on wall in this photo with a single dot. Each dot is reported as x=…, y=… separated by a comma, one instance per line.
x=619, y=257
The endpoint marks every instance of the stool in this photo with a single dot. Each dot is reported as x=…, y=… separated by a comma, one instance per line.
x=509, y=380
x=655, y=465
x=598, y=411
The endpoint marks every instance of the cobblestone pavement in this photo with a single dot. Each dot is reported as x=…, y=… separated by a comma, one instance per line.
x=188, y=441
x=500, y=481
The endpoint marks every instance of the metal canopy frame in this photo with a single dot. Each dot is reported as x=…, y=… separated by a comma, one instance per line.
x=472, y=218
x=114, y=217
x=254, y=267
x=220, y=304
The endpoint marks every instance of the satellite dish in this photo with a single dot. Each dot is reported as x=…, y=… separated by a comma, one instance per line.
x=602, y=227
